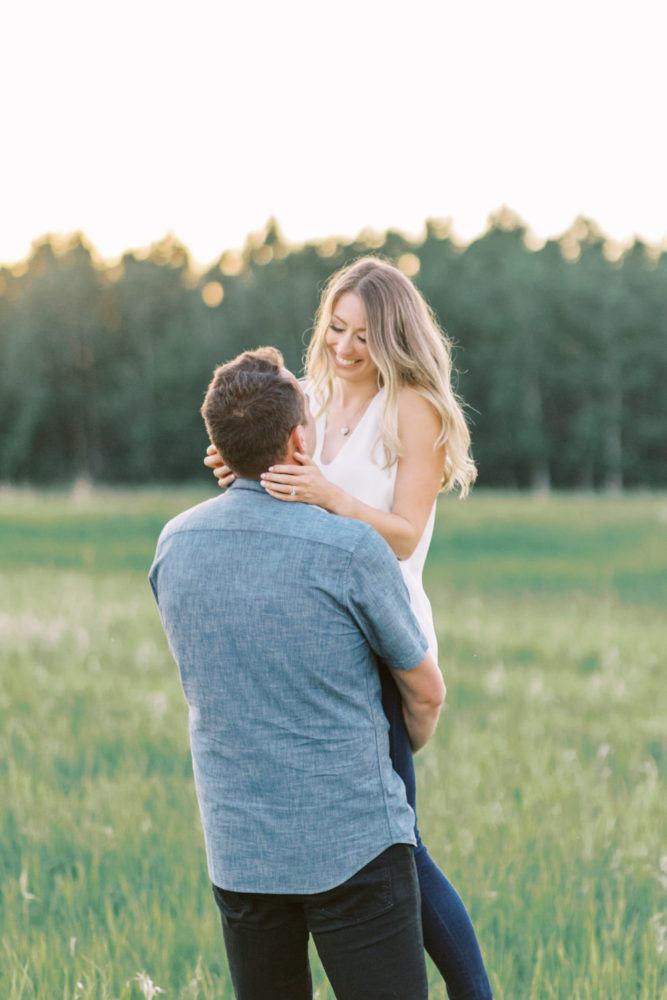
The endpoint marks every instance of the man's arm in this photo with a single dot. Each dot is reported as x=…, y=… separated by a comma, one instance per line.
x=379, y=601
x=422, y=692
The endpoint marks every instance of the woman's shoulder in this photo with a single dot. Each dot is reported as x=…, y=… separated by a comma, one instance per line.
x=412, y=406
x=420, y=433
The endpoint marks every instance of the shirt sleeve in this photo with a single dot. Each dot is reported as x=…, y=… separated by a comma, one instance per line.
x=155, y=567
x=378, y=600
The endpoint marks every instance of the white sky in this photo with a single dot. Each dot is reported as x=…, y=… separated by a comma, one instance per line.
x=135, y=118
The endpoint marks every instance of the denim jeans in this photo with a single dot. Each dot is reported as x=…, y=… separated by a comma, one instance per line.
x=367, y=932
x=449, y=936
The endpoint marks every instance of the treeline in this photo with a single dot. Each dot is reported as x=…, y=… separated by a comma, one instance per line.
x=561, y=350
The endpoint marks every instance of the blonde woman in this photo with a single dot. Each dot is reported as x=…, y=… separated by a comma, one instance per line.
x=390, y=435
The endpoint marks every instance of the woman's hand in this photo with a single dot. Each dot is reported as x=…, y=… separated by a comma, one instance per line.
x=222, y=472
x=303, y=482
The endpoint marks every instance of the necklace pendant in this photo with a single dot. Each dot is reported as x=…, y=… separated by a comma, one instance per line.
x=345, y=430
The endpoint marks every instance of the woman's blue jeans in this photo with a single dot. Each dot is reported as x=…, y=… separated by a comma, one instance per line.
x=449, y=936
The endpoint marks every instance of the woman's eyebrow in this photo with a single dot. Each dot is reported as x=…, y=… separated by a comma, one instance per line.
x=336, y=317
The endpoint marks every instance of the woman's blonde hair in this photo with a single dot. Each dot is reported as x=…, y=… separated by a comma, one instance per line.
x=408, y=348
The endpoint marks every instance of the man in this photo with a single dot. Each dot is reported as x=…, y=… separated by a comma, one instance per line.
x=275, y=614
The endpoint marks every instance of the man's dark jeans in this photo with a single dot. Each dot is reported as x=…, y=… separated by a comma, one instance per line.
x=367, y=932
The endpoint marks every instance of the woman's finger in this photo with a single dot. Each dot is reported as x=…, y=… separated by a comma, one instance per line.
x=281, y=492
x=213, y=456
x=293, y=470
x=224, y=475
x=275, y=477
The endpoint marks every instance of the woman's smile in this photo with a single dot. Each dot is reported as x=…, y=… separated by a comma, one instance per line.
x=345, y=362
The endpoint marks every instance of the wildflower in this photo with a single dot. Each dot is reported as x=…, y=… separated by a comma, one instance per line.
x=147, y=986
x=23, y=886
x=660, y=931
x=662, y=877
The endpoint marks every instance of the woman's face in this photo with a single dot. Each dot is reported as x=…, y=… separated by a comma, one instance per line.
x=346, y=340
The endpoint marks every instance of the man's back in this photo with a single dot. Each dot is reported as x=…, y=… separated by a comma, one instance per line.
x=269, y=609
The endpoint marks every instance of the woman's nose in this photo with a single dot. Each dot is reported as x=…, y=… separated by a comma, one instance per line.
x=345, y=342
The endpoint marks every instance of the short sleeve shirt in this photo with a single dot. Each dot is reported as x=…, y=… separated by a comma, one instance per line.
x=276, y=614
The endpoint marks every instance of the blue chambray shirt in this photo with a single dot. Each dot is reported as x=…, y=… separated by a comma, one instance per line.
x=274, y=613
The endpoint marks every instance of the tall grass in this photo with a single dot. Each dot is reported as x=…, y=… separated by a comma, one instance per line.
x=540, y=794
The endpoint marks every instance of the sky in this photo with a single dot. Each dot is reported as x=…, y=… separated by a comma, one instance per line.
x=134, y=119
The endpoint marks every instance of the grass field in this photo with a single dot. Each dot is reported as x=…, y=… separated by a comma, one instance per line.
x=542, y=794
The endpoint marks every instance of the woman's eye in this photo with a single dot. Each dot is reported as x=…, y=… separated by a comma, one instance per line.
x=362, y=339
x=336, y=329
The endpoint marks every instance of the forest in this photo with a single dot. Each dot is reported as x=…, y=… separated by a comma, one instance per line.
x=560, y=349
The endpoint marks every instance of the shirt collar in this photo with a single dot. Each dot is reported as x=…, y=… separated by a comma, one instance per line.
x=256, y=487
x=247, y=484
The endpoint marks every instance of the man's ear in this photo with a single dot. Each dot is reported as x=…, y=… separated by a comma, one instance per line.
x=295, y=442
x=300, y=439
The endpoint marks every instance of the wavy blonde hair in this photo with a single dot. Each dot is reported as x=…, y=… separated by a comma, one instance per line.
x=408, y=348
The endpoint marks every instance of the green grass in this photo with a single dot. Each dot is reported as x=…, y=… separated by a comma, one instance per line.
x=540, y=795
x=103, y=532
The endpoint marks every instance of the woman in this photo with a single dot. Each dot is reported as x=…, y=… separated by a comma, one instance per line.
x=390, y=435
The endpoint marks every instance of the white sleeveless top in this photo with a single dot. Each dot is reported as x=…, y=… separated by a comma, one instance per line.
x=358, y=468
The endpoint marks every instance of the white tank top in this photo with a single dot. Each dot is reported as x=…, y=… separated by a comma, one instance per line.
x=358, y=468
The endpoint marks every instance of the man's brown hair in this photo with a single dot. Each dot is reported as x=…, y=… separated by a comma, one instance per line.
x=250, y=409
